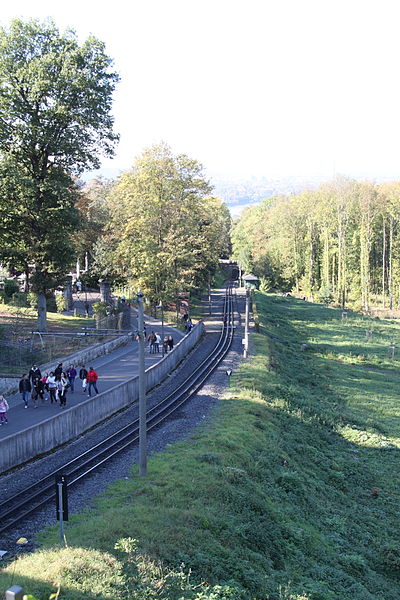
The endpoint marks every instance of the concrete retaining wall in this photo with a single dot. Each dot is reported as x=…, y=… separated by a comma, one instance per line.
x=9, y=385
x=63, y=427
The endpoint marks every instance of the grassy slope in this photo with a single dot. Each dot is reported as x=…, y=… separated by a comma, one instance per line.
x=275, y=501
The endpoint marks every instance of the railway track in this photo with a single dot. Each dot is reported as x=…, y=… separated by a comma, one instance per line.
x=20, y=506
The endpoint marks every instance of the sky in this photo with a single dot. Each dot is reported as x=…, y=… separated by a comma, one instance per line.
x=251, y=88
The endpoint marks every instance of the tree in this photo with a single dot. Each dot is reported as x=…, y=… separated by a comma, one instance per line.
x=166, y=232
x=55, y=101
x=94, y=216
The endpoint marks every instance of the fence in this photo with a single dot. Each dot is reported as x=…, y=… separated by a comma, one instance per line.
x=18, y=355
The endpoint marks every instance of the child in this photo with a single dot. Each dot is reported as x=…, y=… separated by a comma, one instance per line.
x=3, y=410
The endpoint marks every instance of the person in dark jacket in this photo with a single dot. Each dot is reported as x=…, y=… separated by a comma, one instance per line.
x=39, y=387
x=170, y=342
x=71, y=374
x=25, y=388
x=57, y=372
x=83, y=375
x=34, y=374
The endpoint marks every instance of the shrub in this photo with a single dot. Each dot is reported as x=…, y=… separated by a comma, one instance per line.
x=10, y=288
x=325, y=294
x=19, y=299
x=100, y=309
x=51, y=303
x=264, y=285
x=31, y=299
x=61, y=303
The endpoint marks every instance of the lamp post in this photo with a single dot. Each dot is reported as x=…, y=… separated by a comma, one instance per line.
x=246, y=324
x=142, y=391
x=161, y=307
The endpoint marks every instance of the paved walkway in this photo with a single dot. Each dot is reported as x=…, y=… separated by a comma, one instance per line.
x=115, y=368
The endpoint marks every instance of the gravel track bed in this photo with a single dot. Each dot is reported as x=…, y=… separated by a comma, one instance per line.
x=177, y=427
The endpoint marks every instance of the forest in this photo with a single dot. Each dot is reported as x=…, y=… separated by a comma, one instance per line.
x=336, y=244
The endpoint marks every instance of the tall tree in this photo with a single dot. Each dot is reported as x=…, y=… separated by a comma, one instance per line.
x=55, y=101
x=163, y=229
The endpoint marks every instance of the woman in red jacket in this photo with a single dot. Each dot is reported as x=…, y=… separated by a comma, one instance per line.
x=92, y=378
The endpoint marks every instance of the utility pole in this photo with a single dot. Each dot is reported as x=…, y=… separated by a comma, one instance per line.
x=209, y=294
x=246, y=324
x=142, y=391
x=161, y=307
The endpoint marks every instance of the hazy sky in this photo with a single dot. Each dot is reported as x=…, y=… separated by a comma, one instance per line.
x=251, y=87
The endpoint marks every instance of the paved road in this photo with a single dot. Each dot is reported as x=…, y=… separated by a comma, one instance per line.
x=112, y=369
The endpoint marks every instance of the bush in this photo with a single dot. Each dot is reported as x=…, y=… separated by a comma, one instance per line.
x=61, y=303
x=325, y=294
x=265, y=285
x=19, y=299
x=10, y=288
x=31, y=299
x=51, y=303
x=100, y=309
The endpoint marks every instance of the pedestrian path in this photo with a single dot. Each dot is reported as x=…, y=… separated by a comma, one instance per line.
x=112, y=369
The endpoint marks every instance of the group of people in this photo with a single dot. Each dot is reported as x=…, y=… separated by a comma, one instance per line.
x=155, y=342
x=188, y=322
x=54, y=385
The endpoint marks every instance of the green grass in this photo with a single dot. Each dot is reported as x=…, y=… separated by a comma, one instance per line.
x=54, y=320
x=291, y=494
x=16, y=326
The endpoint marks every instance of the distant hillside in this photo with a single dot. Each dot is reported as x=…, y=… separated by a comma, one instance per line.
x=242, y=193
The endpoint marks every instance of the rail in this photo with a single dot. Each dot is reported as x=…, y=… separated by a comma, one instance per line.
x=32, y=498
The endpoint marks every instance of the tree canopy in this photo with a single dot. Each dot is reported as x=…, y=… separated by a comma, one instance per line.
x=166, y=231
x=55, y=121
x=339, y=242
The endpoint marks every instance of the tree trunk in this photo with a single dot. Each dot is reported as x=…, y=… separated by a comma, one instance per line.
x=26, y=287
x=326, y=275
x=42, y=312
x=311, y=280
x=383, y=262
x=296, y=266
x=390, y=281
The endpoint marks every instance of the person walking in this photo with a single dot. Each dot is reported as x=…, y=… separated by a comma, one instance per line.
x=45, y=386
x=71, y=374
x=63, y=386
x=170, y=342
x=25, y=388
x=3, y=410
x=165, y=344
x=92, y=378
x=152, y=340
x=34, y=396
x=58, y=371
x=39, y=387
x=52, y=387
x=157, y=343
x=83, y=376
x=34, y=374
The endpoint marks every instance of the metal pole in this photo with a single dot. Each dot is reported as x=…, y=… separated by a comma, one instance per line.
x=162, y=331
x=209, y=296
x=161, y=307
x=61, y=509
x=142, y=392
x=246, y=324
